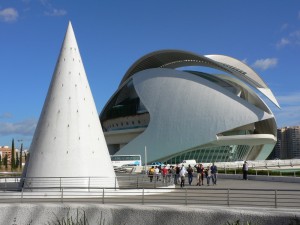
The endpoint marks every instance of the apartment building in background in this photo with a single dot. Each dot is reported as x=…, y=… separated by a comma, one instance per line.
x=288, y=143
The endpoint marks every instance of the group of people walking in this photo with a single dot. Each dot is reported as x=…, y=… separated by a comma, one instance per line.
x=179, y=173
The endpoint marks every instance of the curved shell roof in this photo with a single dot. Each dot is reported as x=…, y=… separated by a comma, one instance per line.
x=177, y=58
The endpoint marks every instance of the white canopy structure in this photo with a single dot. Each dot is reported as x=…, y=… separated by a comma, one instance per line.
x=169, y=101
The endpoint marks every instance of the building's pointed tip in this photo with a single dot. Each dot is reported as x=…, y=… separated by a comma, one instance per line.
x=70, y=27
x=70, y=39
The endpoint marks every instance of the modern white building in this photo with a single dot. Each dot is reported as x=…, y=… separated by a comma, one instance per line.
x=169, y=103
x=68, y=145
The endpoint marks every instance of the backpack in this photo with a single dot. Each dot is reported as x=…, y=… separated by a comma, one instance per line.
x=151, y=171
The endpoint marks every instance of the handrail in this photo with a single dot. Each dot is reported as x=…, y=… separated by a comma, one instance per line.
x=272, y=198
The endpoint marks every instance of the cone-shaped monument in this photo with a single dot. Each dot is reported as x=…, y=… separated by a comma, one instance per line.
x=68, y=141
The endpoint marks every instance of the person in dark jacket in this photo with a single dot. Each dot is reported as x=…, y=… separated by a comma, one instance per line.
x=214, y=171
x=245, y=171
x=190, y=171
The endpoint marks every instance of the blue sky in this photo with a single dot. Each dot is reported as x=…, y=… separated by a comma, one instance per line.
x=112, y=35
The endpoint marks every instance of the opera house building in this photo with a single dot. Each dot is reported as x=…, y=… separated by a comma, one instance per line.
x=180, y=105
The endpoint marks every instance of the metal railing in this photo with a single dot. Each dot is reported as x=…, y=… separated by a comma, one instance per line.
x=124, y=181
x=261, y=164
x=265, y=172
x=269, y=198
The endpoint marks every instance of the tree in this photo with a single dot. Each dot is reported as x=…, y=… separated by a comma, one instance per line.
x=21, y=151
x=17, y=160
x=12, y=161
x=5, y=160
x=0, y=161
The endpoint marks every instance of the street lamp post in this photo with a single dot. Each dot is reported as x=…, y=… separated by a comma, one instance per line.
x=145, y=159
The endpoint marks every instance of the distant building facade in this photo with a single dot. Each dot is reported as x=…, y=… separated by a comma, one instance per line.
x=288, y=143
x=5, y=150
x=276, y=153
x=292, y=141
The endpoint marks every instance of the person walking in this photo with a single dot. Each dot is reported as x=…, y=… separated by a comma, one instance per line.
x=245, y=171
x=164, y=172
x=177, y=174
x=208, y=175
x=151, y=173
x=214, y=171
x=190, y=172
x=171, y=174
x=198, y=169
x=201, y=175
x=157, y=173
x=182, y=176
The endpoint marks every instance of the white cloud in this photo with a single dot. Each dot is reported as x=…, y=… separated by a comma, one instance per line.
x=293, y=38
x=283, y=42
x=284, y=27
x=44, y=2
x=289, y=114
x=26, y=127
x=5, y=115
x=291, y=99
x=51, y=11
x=9, y=15
x=265, y=64
x=295, y=34
x=56, y=12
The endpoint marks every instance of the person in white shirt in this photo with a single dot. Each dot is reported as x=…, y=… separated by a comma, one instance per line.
x=182, y=175
x=157, y=172
x=208, y=175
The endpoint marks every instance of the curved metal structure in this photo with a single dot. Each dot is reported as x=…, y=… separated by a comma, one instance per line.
x=190, y=114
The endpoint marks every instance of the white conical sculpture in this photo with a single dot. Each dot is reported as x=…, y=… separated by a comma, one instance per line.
x=68, y=145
